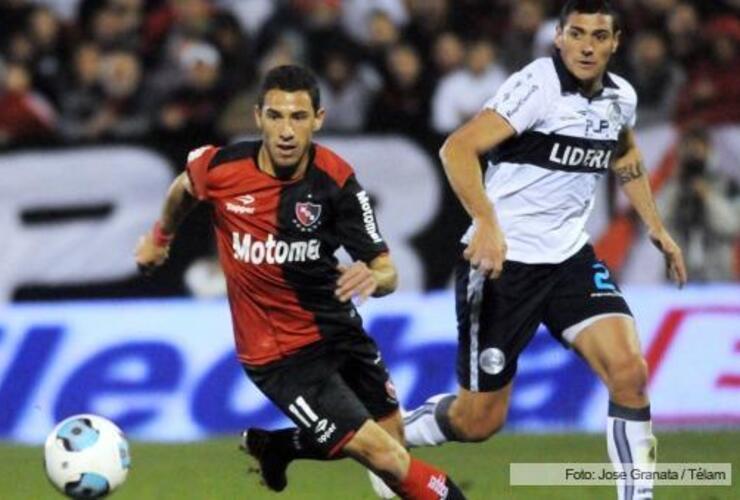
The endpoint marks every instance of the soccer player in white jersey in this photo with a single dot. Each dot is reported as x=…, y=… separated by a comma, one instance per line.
x=557, y=126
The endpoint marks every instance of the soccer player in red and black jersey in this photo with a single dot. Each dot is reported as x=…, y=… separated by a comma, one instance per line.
x=282, y=206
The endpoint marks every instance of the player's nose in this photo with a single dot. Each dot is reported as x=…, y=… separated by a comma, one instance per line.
x=286, y=132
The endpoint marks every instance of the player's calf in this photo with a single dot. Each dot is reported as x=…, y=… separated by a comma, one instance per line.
x=410, y=478
x=476, y=426
x=467, y=417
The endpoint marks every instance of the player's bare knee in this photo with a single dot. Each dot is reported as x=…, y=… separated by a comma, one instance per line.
x=629, y=376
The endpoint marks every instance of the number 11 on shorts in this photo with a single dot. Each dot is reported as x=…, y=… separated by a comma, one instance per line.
x=307, y=416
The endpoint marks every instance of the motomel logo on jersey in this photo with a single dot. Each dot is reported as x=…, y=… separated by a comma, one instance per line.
x=574, y=156
x=273, y=251
x=367, y=217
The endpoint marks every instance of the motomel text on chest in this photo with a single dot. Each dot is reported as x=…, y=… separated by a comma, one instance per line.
x=273, y=251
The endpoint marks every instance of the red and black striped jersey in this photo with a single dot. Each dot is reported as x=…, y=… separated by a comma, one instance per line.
x=276, y=243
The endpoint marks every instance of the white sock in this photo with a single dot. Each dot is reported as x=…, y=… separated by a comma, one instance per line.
x=428, y=425
x=630, y=441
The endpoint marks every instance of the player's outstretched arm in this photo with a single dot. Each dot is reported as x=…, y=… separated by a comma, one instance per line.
x=630, y=171
x=362, y=280
x=153, y=248
x=459, y=155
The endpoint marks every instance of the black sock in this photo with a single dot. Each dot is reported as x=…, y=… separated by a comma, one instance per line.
x=442, y=416
x=294, y=443
x=453, y=491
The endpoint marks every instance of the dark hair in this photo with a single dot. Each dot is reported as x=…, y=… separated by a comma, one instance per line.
x=291, y=78
x=589, y=7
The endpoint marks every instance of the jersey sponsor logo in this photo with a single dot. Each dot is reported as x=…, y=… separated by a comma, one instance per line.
x=367, y=217
x=243, y=206
x=573, y=156
x=307, y=213
x=556, y=152
x=273, y=251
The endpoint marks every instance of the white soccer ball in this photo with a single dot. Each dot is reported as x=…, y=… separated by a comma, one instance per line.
x=86, y=456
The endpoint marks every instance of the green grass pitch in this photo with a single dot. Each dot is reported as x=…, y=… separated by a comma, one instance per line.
x=214, y=470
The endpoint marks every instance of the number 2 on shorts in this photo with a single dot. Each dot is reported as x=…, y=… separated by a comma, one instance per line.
x=601, y=277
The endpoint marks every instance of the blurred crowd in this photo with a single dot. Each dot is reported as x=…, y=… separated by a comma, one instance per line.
x=186, y=71
x=176, y=74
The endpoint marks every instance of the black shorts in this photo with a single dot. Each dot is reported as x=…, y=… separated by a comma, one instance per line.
x=497, y=318
x=330, y=388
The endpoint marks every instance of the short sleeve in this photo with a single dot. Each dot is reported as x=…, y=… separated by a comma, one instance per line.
x=197, y=169
x=520, y=100
x=630, y=120
x=357, y=225
x=627, y=102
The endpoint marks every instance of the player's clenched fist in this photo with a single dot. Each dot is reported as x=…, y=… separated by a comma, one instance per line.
x=355, y=280
x=152, y=249
x=487, y=249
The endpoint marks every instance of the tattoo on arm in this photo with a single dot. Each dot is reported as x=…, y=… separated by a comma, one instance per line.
x=629, y=172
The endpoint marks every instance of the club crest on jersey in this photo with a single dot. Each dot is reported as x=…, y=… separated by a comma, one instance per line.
x=307, y=213
x=614, y=114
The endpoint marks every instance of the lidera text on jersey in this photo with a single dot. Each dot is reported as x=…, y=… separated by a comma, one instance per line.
x=575, y=156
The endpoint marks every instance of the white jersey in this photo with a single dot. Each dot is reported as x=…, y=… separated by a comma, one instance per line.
x=542, y=181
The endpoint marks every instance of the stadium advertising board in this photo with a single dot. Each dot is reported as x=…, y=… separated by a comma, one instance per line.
x=72, y=216
x=165, y=369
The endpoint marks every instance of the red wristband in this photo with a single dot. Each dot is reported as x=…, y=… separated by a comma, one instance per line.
x=161, y=239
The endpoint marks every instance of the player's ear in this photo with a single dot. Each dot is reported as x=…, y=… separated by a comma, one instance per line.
x=617, y=38
x=319, y=119
x=559, y=37
x=258, y=116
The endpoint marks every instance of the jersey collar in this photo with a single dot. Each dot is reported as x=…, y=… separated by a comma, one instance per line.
x=569, y=83
x=309, y=166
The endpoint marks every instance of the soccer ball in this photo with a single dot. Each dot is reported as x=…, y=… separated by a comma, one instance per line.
x=86, y=456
